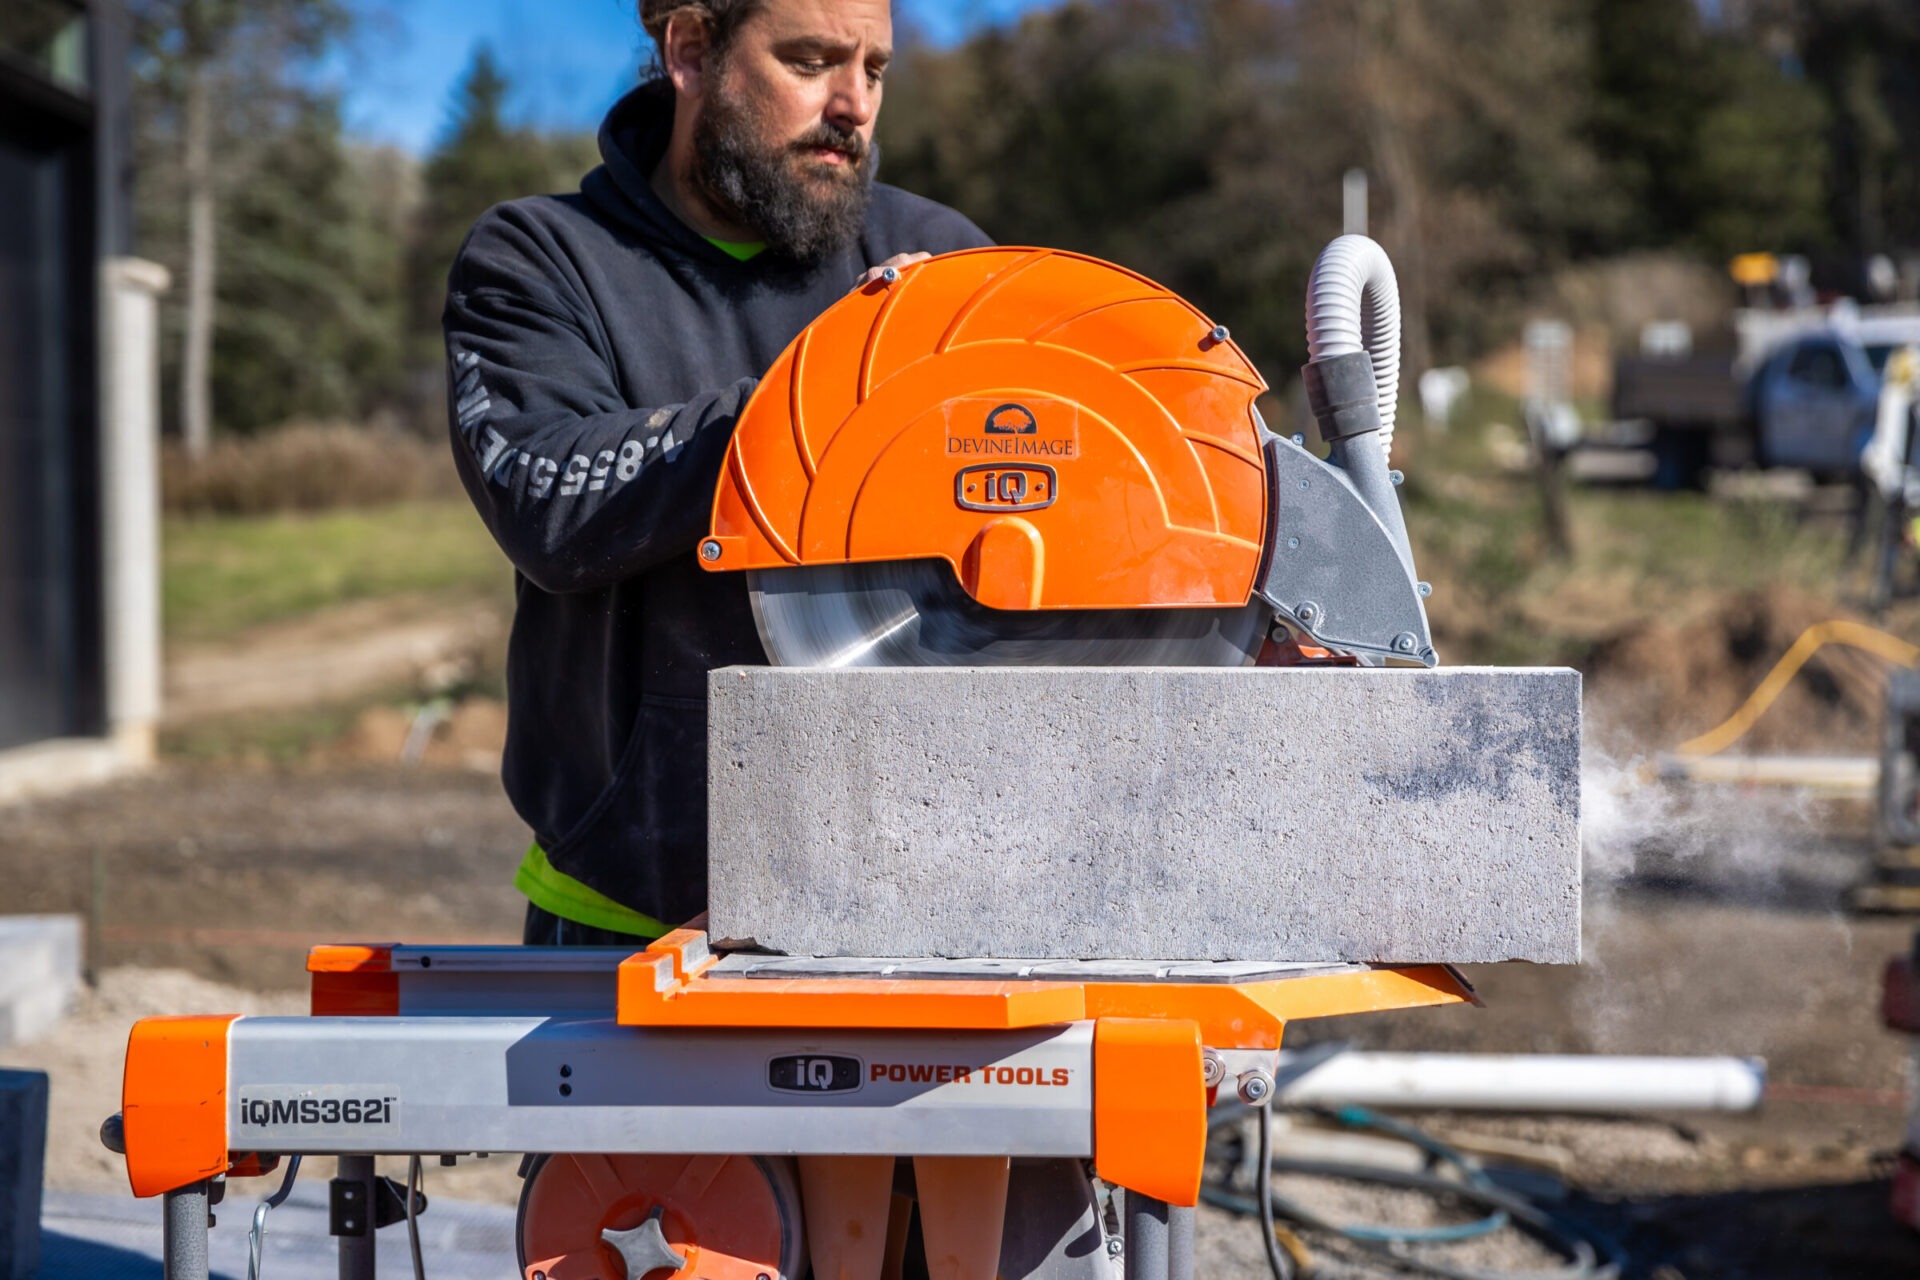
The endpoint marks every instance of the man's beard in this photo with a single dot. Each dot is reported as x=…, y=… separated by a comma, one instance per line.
x=802, y=208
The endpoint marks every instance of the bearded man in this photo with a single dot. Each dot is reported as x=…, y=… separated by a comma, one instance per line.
x=602, y=345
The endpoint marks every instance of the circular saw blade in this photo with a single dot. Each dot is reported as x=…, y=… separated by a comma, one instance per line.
x=913, y=613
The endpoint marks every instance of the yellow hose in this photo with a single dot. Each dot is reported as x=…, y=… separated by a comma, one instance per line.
x=1837, y=631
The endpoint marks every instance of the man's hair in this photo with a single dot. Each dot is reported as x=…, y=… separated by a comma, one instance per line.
x=723, y=18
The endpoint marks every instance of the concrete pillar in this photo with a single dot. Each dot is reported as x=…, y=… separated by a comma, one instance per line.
x=130, y=488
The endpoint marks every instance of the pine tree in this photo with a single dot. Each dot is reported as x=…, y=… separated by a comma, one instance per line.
x=482, y=160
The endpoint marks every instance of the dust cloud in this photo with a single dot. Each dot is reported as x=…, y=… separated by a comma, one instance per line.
x=1672, y=865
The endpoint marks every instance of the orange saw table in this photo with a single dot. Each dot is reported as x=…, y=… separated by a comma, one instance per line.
x=722, y=1116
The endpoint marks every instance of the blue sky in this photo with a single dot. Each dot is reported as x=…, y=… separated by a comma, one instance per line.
x=569, y=59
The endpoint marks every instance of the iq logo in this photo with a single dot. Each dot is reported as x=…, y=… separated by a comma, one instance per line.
x=813, y=1073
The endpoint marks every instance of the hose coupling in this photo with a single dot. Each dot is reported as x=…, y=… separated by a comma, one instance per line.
x=1343, y=395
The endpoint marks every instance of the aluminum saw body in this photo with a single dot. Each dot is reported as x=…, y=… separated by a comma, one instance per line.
x=1022, y=456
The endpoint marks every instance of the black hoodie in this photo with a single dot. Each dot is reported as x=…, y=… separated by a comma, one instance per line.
x=600, y=352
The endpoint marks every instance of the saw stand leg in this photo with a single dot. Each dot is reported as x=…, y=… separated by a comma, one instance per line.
x=1159, y=1239
x=357, y=1241
x=185, y=1233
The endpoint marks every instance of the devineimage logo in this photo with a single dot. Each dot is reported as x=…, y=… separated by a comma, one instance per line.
x=1011, y=420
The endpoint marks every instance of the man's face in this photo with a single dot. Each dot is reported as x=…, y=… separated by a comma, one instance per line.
x=784, y=138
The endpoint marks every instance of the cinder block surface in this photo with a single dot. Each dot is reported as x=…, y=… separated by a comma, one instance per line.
x=1095, y=813
x=23, y=1161
x=40, y=959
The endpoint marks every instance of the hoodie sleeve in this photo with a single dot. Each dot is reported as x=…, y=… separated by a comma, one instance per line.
x=580, y=488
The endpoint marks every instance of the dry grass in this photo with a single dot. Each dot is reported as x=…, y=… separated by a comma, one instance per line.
x=307, y=467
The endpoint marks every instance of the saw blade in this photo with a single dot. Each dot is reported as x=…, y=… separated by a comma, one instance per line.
x=914, y=613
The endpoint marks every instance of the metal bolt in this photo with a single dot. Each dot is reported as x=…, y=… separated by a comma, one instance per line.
x=539, y=1275
x=1115, y=1246
x=1255, y=1087
x=1404, y=642
x=889, y=274
x=1307, y=612
x=1219, y=333
x=763, y=1276
x=710, y=550
x=1212, y=1069
x=1293, y=544
x=1304, y=483
x=1425, y=589
x=1396, y=476
x=1300, y=439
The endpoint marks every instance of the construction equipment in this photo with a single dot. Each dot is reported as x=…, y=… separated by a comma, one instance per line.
x=1900, y=1012
x=1894, y=884
x=999, y=457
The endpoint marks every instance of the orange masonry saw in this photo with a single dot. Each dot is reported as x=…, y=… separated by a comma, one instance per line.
x=998, y=457
x=1028, y=457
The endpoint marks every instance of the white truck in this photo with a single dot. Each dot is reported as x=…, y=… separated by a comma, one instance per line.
x=1801, y=389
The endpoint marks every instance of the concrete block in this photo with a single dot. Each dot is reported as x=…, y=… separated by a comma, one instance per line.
x=23, y=1161
x=1098, y=813
x=40, y=960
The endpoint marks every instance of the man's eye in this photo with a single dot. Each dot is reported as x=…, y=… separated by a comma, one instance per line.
x=809, y=66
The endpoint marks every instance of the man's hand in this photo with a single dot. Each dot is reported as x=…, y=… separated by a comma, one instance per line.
x=873, y=275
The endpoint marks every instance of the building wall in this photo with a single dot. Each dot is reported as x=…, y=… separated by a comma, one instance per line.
x=69, y=482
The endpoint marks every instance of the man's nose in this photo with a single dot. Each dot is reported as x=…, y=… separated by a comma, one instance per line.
x=854, y=97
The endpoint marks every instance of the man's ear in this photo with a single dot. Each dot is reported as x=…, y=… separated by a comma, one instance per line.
x=687, y=42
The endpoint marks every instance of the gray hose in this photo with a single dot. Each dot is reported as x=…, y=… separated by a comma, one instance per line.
x=1353, y=305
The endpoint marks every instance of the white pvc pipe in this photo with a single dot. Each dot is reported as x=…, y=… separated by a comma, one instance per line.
x=1353, y=304
x=1834, y=775
x=1531, y=1082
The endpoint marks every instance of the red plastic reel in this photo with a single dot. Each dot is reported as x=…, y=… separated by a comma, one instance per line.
x=730, y=1217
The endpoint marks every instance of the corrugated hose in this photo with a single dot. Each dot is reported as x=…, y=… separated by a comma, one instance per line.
x=1287, y=1257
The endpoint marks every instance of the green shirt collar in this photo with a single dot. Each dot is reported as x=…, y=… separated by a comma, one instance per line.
x=743, y=250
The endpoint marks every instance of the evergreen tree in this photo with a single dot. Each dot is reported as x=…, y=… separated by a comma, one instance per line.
x=1716, y=143
x=482, y=160
x=310, y=302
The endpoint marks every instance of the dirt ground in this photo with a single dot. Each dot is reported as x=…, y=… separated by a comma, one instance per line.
x=1713, y=926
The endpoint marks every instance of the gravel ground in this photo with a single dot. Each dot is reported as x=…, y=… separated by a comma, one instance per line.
x=1721, y=935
